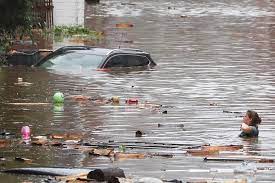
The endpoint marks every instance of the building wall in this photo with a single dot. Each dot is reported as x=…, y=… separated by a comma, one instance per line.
x=68, y=12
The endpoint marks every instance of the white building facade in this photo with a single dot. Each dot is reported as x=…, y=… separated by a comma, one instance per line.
x=68, y=12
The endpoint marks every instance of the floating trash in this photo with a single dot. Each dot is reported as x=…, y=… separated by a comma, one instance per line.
x=122, y=148
x=4, y=143
x=26, y=134
x=124, y=25
x=124, y=156
x=139, y=133
x=115, y=99
x=23, y=159
x=132, y=101
x=58, y=97
x=246, y=167
x=21, y=83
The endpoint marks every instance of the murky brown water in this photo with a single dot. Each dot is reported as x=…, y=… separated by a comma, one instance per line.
x=219, y=52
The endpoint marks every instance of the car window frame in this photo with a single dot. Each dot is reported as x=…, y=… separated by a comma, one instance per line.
x=60, y=53
x=119, y=54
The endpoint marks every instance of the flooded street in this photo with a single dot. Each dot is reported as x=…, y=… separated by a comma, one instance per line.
x=215, y=61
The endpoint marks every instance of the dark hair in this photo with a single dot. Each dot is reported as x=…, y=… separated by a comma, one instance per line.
x=254, y=116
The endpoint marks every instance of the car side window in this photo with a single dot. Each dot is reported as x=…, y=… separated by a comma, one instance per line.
x=127, y=61
x=115, y=61
x=136, y=60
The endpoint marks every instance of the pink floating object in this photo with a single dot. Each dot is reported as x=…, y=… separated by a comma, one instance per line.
x=26, y=132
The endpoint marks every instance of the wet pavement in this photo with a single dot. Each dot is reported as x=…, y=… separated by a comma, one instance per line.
x=212, y=56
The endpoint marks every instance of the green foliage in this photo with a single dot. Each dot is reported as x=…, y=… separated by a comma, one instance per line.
x=17, y=21
x=14, y=15
x=61, y=32
x=3, y=60
x=16, y=18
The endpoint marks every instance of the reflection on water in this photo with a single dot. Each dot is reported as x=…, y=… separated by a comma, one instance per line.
x=212, y=57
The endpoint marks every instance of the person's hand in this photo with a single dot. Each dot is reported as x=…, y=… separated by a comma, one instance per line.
x=244, y=126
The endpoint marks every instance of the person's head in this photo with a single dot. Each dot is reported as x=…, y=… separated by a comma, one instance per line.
x=252, y=118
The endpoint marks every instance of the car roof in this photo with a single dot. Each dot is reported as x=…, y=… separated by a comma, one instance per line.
x=101, y=51
x=93, y=51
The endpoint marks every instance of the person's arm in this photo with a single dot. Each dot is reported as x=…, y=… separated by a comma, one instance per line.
x=245, y=128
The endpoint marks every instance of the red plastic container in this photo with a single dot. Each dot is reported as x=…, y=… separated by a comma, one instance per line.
x=132, y=101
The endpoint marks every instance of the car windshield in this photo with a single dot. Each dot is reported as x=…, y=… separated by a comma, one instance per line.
x=73, y=59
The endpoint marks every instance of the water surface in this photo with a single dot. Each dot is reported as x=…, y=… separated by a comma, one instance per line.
x=212, y=56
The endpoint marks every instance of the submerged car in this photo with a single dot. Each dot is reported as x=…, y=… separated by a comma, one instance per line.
x=97, y=58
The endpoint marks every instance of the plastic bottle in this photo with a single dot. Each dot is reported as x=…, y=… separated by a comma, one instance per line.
x=26, y=134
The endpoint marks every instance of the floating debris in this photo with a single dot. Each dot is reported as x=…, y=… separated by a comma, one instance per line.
x=202, y=152
x=139, y=133
x=213, y=150
x=66, y=136
x=58, y=97
x=39, y=142
x=164, y=112
x=81, y=98
x=5, y=134
x=4, y=143
x=123, y=156
x=124, y=25
x=222, y=159
x=223, y=148
x=23, y=159
x=265, y=161
x=82, y=177
x=131, y=101
x=115, y=99
x=213, y=104
x=102, y=152
x=122, y=148
x=225, y=111
x=20, y=82
x=108, y=174
x=28, y=104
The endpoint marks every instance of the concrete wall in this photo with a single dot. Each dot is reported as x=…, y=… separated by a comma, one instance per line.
x=68, y=12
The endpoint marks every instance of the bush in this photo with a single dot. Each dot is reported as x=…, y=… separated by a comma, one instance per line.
x=16, y=18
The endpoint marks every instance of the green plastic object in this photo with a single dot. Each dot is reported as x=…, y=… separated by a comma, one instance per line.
x=122, y=148
x=58, y=97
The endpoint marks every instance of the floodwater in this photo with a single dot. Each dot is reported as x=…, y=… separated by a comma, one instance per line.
x=213, y=56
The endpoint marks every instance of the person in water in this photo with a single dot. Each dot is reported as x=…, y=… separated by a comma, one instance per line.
x=249, y=127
